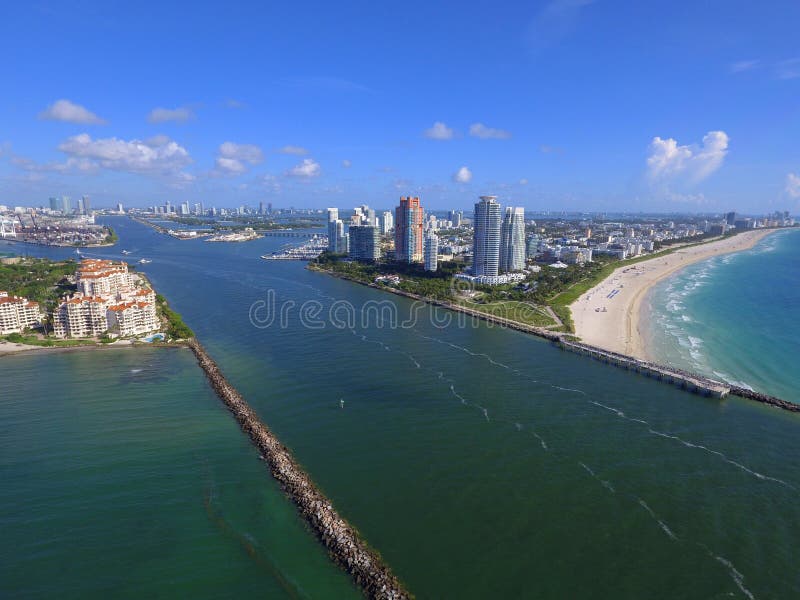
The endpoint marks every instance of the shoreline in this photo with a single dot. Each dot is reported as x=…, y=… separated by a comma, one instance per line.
x=14, y=349
x=692, y=382
x=619, y=327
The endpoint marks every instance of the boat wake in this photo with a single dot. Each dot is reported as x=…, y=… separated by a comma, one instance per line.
x=689, y=444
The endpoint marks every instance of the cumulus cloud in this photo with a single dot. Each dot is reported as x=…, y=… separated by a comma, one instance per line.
x=793, y=185
x=64, y=110
x=479, y=130
x=164, y=156
x=439, y=131
x=233, y=158
x=463, y=175
x=162, y=115
x=669, y=160
x=305, y=170
x=347, y=164
x=296, y=150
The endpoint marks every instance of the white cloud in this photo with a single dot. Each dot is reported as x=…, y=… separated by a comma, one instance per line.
x=743, y=65
x=306, y=169
x=234, y=104
x=162, y=115
x=668, y=160
x=233, y=158
x=789, y=69
x=296, y=150
x=463, y=175
x=523, y=181
x=347, y=164
x=793, y=185
x=479, y=130
x=64, y=110
x=554, y=22
x=544, y=149
x=165, y=156
x=439, y=131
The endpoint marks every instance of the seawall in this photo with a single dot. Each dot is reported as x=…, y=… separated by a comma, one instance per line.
x=344, y=544
x=691, y=382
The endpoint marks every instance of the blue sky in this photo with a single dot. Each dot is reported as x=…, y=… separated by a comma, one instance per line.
x=560, y=105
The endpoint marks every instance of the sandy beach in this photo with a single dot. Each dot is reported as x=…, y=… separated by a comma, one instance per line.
x=619, y=297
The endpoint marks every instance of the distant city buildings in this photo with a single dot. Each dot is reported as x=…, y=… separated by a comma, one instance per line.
x=408, y=240
x=387, y=222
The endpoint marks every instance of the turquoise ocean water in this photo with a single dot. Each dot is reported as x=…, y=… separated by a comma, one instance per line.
x=735, y=317
x=480, y=462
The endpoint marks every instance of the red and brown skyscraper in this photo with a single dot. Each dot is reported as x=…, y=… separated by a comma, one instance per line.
x=408, y=237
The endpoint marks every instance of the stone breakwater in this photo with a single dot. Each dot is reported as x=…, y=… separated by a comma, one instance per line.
x=339, y=537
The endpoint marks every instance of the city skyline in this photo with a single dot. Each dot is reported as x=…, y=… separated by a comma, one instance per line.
x=551, y=106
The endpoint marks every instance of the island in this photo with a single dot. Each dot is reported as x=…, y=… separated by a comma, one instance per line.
x=66, y=304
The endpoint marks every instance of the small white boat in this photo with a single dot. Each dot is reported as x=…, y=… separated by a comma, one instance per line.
x=126, y=251
x=144, y=261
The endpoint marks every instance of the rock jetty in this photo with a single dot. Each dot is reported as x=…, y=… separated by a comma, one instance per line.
x=345, y=546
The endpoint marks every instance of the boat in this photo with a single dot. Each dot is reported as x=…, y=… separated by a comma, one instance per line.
x=144, y=261
x=77, y=251
x=126, y=251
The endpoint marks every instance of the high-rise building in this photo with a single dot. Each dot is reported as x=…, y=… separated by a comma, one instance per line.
x=364, y=243
x=431, y=251
x=730, y=218
x=261, y=208
x=387, y=221
x=455, y=217
x=408, y=230
x=512, y=240
x=66, y=205
x=55, y=203
x=486, y=238
x=120, y=209
x=86, y=205
x=333, y=218
x=269, y=207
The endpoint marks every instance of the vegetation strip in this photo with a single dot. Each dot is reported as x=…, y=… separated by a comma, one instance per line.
x=339, y=537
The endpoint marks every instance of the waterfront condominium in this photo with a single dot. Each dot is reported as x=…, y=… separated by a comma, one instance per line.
x=365, y=243
x=431, y=251
x=486, y=238
x=408, y=238
x=337, y=241
x=18, y=314
x=333, y=216
x=512, y=240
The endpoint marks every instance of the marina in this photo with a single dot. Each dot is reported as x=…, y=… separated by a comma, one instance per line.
x=307, y=251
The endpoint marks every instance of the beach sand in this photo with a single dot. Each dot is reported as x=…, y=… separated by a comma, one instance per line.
x=618, y=328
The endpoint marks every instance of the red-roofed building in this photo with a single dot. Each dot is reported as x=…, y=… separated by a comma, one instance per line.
x=18, y=314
